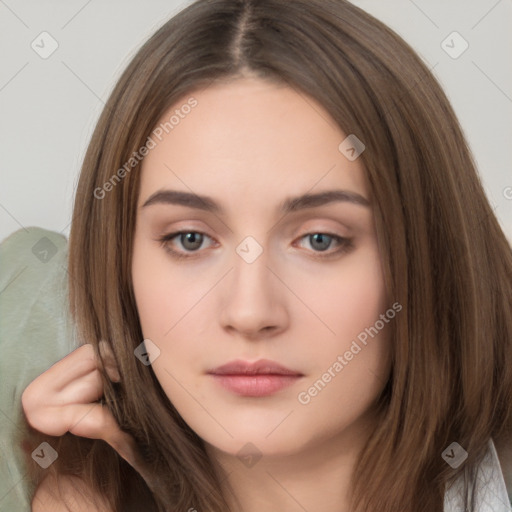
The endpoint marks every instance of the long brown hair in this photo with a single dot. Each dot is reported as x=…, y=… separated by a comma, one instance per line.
x=445, y=257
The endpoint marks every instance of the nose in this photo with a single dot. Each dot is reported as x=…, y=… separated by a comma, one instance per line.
x=254, y=301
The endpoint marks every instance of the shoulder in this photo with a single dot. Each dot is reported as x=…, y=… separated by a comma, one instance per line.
x=67, y=494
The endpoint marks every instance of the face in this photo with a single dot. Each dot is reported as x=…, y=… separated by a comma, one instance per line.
x=258, y=274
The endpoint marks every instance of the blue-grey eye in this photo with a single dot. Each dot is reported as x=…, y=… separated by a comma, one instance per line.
x=321, y=242
x=191, y=240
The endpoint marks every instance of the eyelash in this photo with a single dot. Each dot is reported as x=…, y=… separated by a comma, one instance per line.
x=345, y=244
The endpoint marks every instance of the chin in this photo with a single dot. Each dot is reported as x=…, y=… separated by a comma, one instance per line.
x=254, y=442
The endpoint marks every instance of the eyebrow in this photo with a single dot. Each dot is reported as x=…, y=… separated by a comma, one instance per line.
x=289, y=205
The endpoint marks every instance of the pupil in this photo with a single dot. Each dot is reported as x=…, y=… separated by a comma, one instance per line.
x=322, y=238
x=194, y=239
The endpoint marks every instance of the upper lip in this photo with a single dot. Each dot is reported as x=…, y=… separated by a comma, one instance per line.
x=260, y=367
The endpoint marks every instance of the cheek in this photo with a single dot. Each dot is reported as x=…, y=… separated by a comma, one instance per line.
x=352, y=356
x=164, y=292
x=153, y=304
x=346, y=299
x=350, y=366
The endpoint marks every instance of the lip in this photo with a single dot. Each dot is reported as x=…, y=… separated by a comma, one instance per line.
x=259, y=367
x=254, y=379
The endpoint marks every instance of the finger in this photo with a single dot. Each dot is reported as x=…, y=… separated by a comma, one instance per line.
x=76, y=364
x=62, y=376
x=42, y=393
x=93, y=421
x=47, y=387
x=88, y=388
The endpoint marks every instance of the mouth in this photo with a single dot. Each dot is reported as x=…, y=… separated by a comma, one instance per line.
x=257, y=379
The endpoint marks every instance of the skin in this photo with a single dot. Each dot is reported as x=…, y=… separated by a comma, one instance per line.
x=65, y=398
x=249, y=144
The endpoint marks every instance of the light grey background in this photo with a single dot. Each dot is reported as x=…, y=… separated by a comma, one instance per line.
x=49, y=106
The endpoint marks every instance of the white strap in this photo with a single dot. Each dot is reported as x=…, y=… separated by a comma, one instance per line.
x=491, y=492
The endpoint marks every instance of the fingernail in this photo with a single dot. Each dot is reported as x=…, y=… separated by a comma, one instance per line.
x=113, y=374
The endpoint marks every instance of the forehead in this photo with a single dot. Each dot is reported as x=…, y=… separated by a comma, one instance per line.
x=248, y=136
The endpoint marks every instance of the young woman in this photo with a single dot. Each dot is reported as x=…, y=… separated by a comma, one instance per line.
x=291, y=290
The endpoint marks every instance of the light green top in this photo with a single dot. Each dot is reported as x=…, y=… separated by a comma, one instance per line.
x=35, y=332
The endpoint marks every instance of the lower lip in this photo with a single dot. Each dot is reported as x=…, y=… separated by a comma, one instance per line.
x=255, y=385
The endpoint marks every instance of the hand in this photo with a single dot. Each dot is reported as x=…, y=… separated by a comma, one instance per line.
x=65, y=399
